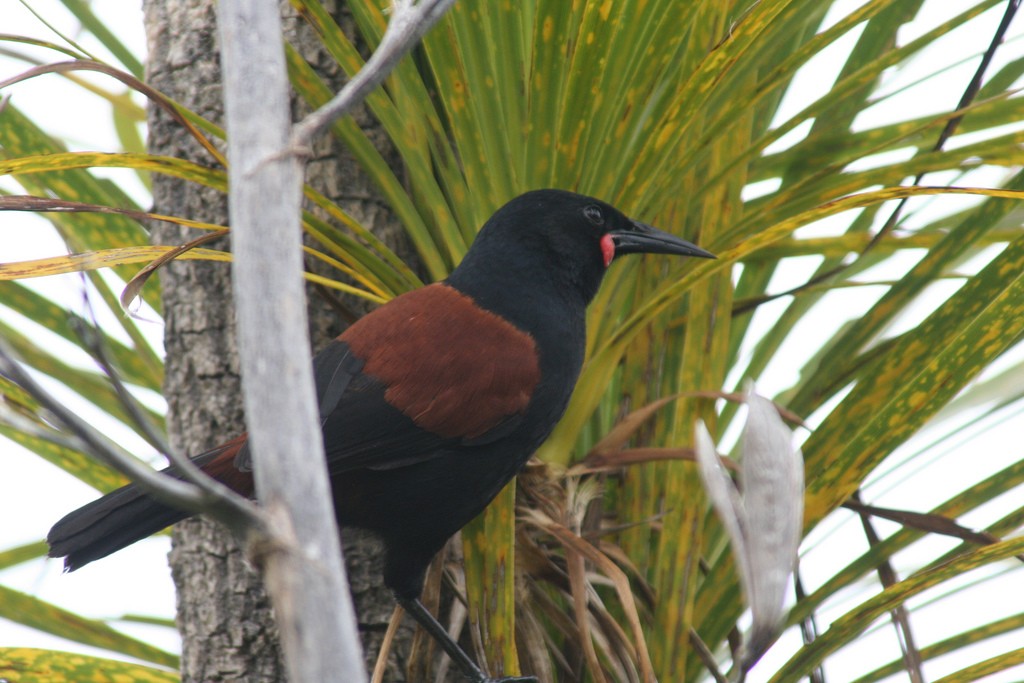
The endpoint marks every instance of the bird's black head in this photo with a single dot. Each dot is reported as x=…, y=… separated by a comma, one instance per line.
x=562, y=238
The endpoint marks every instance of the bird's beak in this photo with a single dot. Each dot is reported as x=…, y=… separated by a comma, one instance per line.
x=646, y=239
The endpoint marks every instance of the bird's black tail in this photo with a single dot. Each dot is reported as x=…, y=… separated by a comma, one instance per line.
x=127, y=515
x=104, y=526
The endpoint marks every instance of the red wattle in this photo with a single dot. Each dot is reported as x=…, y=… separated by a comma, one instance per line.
x=607, y=249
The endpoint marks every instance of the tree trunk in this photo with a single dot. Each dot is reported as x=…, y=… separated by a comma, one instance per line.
x=223, y=613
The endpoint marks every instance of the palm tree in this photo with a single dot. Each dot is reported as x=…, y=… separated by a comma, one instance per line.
x=890, y=329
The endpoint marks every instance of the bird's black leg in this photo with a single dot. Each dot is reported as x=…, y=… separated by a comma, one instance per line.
x=466, y=665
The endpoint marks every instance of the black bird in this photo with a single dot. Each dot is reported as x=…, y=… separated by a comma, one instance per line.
x=433, y=402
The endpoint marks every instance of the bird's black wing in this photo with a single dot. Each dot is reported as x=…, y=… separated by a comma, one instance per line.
x=333, y=370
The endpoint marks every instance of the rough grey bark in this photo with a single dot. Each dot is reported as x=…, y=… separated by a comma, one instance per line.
x=223, y=613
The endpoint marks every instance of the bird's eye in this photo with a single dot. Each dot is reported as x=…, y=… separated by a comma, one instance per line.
x=593, y=214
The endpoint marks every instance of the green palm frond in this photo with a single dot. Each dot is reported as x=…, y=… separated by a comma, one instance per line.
x=683, y=115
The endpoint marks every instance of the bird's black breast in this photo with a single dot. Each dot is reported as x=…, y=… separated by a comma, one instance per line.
x=429, y=406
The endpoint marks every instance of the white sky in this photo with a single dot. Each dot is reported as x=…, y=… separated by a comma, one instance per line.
x=34, y=494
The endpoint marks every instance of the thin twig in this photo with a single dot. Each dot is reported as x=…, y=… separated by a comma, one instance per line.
x=91, y=340
x=947, y=132
x=38, y=430
x=969, y=94
x=900, y=618
x=186, y=470
x=134, y=84
x=706, y=657
x=928, y=522
x=808, y=627
x=209, y=496
x=381, y=667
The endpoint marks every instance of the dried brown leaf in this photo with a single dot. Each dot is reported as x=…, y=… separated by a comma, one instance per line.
x=155, y=96
x=622, y=589
x=134, y=286
x=925, y=521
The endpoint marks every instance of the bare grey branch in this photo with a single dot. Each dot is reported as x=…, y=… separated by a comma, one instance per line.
x=203, y=496
x=409, y=22
x=89, y=336
x=302, y=561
